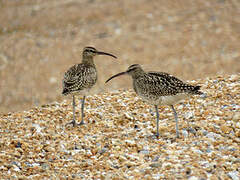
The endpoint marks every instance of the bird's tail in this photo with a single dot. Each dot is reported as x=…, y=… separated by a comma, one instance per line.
x=65, y=91
x=196, y=90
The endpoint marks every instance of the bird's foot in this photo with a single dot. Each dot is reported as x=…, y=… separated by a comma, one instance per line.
x=74, y=124
x=81, y=123
x=191, y=130
x=154, y=136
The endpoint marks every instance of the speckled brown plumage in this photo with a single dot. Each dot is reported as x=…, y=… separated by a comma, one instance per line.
x=159, y=88
x=80, y=78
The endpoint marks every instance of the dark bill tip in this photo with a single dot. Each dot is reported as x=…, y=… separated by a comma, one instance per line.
x=104, y=53
x=119, y=74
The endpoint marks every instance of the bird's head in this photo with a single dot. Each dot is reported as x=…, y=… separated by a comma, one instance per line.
x=91, y=52
x=133, y=70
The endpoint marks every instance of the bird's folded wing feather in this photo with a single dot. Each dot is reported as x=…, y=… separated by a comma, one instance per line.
x=79, y=77
x=164, y=84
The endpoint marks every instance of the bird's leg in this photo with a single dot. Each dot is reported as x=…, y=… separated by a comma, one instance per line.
x=82, y=110
x=176, y=119
x=157, y=113
x=73, y=122
x=74, y=104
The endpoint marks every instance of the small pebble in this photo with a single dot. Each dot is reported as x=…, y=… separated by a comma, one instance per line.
x=234, y=175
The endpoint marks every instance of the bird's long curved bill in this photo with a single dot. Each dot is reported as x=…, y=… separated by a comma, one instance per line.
x=104, y=53
x=119, y=74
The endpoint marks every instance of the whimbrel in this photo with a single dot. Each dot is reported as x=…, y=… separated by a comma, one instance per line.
x=80, y=78
x=159, y=88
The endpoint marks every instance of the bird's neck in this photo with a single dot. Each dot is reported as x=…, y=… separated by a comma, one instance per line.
x=88, y=60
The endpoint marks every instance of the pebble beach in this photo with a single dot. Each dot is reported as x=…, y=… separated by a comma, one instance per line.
x=117, y=141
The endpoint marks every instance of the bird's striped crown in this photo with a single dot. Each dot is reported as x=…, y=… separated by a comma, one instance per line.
x=133, y=67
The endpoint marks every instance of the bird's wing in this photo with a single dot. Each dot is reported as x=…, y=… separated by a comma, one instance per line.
x=172, y=85
x=167, y=77
x=158, y=84
x=79, y=77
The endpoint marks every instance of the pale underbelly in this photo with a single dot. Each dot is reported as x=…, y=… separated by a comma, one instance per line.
x=165, y=100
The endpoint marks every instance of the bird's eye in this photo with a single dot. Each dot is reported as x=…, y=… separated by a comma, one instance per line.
x=89, y=51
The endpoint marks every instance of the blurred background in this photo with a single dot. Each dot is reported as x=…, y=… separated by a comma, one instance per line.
x=41, y=39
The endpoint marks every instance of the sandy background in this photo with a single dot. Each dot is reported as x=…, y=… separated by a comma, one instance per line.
x=41, y=39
